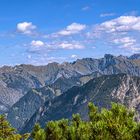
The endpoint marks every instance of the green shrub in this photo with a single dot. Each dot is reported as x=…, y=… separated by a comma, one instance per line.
x=114, y=124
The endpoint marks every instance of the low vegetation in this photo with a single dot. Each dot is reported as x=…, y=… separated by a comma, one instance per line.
x=9, y=133
x=116, y=123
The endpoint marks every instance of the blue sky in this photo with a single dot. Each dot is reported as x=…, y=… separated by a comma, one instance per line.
x=42, y=31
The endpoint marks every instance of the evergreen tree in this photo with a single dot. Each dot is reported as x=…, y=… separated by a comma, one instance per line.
x=9, y=133
x=115, y=124
x=5, y=129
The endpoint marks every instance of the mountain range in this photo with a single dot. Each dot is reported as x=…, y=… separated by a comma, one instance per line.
x=30, y=94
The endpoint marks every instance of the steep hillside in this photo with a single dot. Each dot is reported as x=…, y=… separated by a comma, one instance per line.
x=23, y=78
x=24, y=109
x=102, y=91
x=17, y=82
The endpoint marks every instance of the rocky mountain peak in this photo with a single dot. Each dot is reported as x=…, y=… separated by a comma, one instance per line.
x=57, y=79
x=135, y=56
x=107, y=56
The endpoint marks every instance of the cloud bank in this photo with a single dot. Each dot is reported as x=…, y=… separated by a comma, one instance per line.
x=121, y=33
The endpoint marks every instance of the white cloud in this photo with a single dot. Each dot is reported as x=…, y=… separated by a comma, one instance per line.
x=25, y=27
x=122, y=32
x=37, y=46
x=37, y=43
x=126, y=42
x=121, y=24
x=107, y=14
x=71, y=45
x=74, y=28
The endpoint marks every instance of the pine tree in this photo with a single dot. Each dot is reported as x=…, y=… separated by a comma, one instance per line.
x=5, y=129
x=35, y=130
x=116, y=123
x=9, y=133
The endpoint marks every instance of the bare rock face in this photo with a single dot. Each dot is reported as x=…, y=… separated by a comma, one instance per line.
x=121, y=88
x=18, y=83
x=21, y=112
x=25, y=108
x=135, y=56
x=8, y=97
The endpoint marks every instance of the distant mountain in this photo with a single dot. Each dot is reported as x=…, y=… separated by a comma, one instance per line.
x=28, y=86
x=101, y=91
x=135, y=56
x=8, y=97
x=24, y=109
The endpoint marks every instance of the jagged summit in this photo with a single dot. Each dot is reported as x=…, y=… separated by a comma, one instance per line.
x=108, y=56
x=18, y=83
x=22, y=78
x=135, y=56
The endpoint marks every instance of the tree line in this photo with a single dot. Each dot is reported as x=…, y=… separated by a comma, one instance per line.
x=116, y=123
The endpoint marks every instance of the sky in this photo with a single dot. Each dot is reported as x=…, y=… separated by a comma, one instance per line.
x=42, y=31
